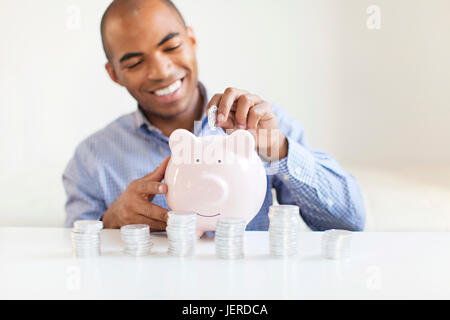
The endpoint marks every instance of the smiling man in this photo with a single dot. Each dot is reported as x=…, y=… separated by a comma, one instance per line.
x=116, y=174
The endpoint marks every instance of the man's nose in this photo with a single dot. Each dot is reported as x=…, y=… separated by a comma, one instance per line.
x=160, y=68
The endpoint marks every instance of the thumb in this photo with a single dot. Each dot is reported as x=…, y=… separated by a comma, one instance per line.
x=158, y=173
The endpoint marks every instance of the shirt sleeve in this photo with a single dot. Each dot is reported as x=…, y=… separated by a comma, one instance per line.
x=328, y=196
x=85, y=200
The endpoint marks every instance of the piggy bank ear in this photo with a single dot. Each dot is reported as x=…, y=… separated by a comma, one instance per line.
x=182, y=144
x=241, y=142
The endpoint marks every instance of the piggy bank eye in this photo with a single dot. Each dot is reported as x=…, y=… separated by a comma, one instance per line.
x=197, y=160
x=219, y=161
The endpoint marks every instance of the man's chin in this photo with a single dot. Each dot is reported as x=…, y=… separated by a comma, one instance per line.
x=167, y=112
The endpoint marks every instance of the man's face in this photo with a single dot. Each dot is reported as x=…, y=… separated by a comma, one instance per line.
x=153, y=55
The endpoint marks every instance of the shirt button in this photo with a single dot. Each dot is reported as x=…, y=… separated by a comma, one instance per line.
x=286, y=177
x=298, y=171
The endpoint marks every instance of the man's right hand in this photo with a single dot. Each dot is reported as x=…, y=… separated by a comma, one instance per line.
x=134, y=205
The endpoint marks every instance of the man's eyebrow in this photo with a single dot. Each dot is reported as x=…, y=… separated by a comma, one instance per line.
x=168, y=37
x=130, y=55
x=138, y=54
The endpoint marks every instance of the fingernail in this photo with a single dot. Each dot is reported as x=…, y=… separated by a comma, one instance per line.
x=161, y=188
x=220, y=117
x=241, y=126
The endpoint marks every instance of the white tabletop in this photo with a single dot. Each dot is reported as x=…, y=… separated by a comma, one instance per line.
x=38, y=263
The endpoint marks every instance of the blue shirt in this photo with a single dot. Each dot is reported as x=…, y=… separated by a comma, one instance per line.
x=131, y=147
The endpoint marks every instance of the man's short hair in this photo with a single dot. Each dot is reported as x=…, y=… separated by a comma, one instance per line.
x=169, y=3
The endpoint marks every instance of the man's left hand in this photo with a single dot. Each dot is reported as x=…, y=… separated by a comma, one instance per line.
x=239, y=109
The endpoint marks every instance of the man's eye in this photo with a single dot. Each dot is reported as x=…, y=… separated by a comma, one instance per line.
x=173, y=48
x=134, y=65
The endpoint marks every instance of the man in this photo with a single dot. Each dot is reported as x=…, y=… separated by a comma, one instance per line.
x=152, y=53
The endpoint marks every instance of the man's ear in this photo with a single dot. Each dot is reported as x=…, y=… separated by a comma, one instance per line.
x=191, y=36
x=112, y=73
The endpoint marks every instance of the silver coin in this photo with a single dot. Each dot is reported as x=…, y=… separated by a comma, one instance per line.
x=283, y=230
x=212, y=117
x=229, y=238
x=336, y=244
x=181, y=233
x=139, y=246
x=184, y=230
x=135, y=228
x=181, y=214
x=86, y=238
x=133, y=234
x=84, y=234
x=88, y=225
x=138, y=250
x=137, y=239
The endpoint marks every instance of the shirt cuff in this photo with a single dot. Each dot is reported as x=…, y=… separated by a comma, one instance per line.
x=298, y=166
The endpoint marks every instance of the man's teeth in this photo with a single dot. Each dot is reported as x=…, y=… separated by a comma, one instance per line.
x=169, y=90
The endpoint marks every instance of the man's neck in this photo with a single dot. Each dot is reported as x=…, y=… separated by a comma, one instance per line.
x=184, y=120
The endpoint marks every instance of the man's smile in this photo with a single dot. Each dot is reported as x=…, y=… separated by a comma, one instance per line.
x=169, y=93
x=169, y=89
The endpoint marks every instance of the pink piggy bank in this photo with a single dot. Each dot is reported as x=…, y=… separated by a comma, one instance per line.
x=215, y=176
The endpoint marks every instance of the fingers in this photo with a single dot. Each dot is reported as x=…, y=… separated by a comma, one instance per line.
x=233, y=107
x=213, y=102
x=150, y=211
x=148, y=187
x=153, y=224
x=245, y=102
x=150, y=184
x=157, y=226
x=227, y=100
x=255, y=114
x=230, y=123
x=238, y=109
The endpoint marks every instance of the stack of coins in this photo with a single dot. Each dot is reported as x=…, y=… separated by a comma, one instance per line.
x=283, y=229
x=181, y=233
x=336, y=244
x=138, y=241
x=229, y=238
x=86, y=238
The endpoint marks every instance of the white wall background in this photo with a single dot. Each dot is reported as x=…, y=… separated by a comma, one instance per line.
x=369, y=97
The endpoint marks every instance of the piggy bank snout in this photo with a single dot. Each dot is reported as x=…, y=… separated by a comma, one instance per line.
x=212, y=188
